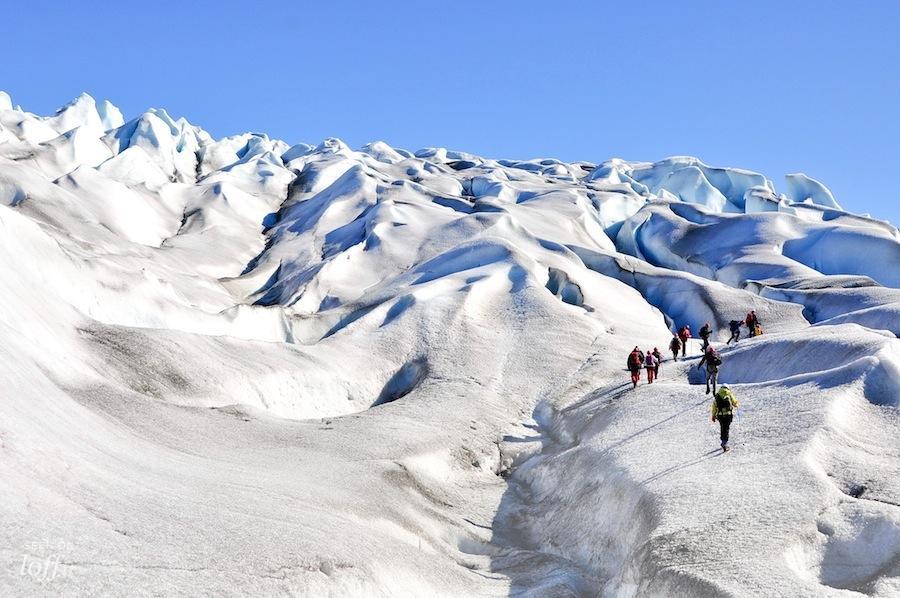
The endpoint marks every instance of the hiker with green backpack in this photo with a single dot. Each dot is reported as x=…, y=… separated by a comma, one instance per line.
x=712, y=361
x=723, y=405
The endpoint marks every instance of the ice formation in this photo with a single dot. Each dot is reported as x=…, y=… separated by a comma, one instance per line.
x=240, y=366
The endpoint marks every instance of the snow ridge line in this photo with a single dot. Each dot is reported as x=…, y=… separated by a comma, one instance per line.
x=523, y=544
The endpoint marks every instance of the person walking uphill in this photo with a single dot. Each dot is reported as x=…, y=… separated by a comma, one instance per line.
x=723, y=405
x=658, y=357
x=650, y=363
x=675, y=347
x=712, y=361
x=684, y=334
x=705, y=333
x=735, y=327
x=752, y=322
x=635, y=363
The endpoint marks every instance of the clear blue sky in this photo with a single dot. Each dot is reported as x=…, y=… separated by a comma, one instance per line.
x=775, y=87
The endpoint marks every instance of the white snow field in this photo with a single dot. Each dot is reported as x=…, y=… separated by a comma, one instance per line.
x=238, y=367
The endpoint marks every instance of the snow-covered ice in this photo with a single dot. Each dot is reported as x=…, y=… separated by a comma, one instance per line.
x=241, y=366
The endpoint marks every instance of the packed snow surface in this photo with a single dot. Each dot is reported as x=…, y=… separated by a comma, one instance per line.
x=240, y=366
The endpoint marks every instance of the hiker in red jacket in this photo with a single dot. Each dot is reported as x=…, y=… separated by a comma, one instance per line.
x=684, y=334
x=635, y=363
x=752, y=323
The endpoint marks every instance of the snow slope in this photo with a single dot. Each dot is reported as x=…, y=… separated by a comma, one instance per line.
x=240, y=367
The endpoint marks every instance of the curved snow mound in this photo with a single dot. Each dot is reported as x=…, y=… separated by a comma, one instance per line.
x=688, y=179
x=767, y=248
x=685, y=298
x=827, y=355
x=803, y=189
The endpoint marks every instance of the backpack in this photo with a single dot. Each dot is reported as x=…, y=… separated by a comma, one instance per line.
x=715, y=359
x=723, y=404
x=735, y=325
x=634, y=360
x=649, y=360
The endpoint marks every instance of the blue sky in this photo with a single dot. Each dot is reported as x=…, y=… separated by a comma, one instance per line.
x=776, y=87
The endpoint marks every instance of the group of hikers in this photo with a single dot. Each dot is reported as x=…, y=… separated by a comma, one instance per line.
x=724, y=402
x=751, y=321
x=639, y=360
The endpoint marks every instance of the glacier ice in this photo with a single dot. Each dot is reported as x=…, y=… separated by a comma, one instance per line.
x=801, y=188
x=239, y=365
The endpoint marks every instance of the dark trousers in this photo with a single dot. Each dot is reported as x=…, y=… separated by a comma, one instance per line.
x=735, y=336
x=724, y=425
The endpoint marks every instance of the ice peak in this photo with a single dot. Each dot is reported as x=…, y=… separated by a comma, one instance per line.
x=801, y=188
x=382, y=152
x=82, y=100
x=79, y=112
x=332, y=145
x=110, y=115
x=162, y=115
x=5, y=101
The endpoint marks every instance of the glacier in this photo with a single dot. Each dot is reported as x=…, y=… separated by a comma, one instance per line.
x=239, y=366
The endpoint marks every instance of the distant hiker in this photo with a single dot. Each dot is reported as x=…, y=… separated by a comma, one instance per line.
x=705, y=333
x=712, y=361
x=723, y=407
x=658, y=356
x=684, y=334
x=752, y=322
x=635, y=363
x=735, y=327
x=650, y=363
x=675, y=347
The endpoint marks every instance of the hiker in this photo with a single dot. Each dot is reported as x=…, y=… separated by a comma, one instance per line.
x=650, y=363
x=658, y=357
x=635, y=362
x=735, y=327
x=675, y=347
x=684, y=334
x=723, y=406
x=705, y=333
x=712, y=361
x=752, y=322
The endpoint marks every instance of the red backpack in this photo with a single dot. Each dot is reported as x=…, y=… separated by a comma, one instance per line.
x=634, y=360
